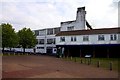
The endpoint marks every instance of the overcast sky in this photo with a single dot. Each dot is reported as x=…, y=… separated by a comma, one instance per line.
x=39, y=14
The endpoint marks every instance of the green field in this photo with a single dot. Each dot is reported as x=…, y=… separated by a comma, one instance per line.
x=104, y=62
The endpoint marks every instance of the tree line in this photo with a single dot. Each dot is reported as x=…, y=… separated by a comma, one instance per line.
x=24, y=38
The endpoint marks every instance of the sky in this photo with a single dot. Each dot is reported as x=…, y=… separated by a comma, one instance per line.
x=40, y=14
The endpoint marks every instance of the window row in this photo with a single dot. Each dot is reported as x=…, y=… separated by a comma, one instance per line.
x=49, y=31
x=70, y=28
x=40, y=47
x=49, y=41
x=86, y=38
x=53, y=31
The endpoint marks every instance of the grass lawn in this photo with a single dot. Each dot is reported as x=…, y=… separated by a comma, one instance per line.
x=1, y=54
x=104, y=62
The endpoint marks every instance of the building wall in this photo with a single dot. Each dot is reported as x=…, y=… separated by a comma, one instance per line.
x=45, y=34
x=93, y=39
x=64, y=26
x=80, y=18
x=79, y=23
x=118, y=38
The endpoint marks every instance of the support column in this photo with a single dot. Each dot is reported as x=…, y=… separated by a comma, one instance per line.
x=68, y=53
x=80, y=53
x=108, y=53
x=93, y=52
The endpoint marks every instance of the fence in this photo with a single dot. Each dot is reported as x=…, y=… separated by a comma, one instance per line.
x=106, y=63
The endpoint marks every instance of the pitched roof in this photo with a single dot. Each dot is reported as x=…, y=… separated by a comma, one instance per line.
x=88, y=32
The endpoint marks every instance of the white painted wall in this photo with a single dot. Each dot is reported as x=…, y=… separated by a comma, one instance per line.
x=80, y=19
x=21, y=49
x=40, y=50
x=118, y=38
x=45, y=37
x=79, y=23
x=42, y=32
x=93, y=39
x=65, y=25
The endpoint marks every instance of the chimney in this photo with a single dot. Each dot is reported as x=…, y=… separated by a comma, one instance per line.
x=80, y=9
x=80, y=17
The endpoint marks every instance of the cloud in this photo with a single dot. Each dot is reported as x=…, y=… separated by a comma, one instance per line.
x=32, y=15
x=100, y=14
x=39, y=14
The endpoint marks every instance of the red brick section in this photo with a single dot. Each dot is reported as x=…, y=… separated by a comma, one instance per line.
x=50, y=67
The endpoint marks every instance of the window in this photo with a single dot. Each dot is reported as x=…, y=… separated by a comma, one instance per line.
x=40, y=47
x=41, y=32
x=49, y=31
x=85, y=38
x=41, y=41
x=73, y=38
x=101, y=37
x=51, y=41
x=62, y=39
x=36, y=32
x=113, y=37
x=37, y=41
x=56, y=30
x=70, y=28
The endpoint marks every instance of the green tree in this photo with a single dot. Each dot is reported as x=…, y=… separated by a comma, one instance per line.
x=9, y=36
x=27, y=38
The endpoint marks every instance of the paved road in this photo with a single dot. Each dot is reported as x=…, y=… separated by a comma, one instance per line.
x=50, y=67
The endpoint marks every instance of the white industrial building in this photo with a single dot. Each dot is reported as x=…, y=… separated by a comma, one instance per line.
x=78, y=38
x=95, y=42
x=46, y=37
x=46, y=40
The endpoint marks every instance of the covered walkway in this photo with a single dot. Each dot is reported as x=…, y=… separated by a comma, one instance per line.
x=103, y=50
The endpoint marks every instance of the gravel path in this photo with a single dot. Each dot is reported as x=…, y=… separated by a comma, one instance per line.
x=50, y=67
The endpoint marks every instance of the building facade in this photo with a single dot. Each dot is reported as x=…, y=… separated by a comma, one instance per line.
x=46, y=37
x=78, y=24
x=73, y=38
x=96, y=42
x=46, y=42
x=77, y=38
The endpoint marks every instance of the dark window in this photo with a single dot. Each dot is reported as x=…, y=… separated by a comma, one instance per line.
x=70, y=28
x=40, y=47
x=85, y=38
x=56, y=30
x=101, y=37
x=49, y=31
x=113, y=37
x=36, y=32
x=42, y=32
x=37, y=41
x=51, y=41
x=73, y=38
x=62, y=39
x=41, y=41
